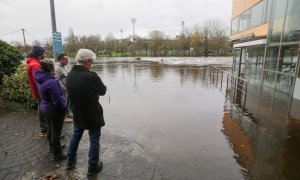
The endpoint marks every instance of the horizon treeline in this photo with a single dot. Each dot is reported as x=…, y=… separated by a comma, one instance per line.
x=210, y=39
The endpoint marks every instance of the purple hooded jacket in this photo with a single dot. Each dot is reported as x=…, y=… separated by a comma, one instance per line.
x=52, y=98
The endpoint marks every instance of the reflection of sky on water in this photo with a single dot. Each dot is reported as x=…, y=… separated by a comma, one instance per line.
x=190, y=128
x=174, y=113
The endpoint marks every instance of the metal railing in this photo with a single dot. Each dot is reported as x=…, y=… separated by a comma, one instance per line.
x=231, y=85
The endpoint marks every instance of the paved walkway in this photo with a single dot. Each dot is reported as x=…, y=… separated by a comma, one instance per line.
x=24, y=155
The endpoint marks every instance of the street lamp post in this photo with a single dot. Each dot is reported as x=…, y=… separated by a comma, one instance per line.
x=133, y=21
x=53, y=20
x=56, y=36
x=24, y=41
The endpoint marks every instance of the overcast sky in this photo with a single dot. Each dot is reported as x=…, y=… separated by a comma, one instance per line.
x=87, y=17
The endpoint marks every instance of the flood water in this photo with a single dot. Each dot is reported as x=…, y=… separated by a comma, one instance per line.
x=188, y=126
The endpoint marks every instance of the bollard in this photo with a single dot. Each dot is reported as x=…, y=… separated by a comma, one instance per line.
x=221, y=80
x=234, y=90
x=217, y=77
x=245, y=97
x=227, y=84
x=210, y=73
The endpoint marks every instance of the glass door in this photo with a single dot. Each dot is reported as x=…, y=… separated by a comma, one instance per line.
x=294, y=112
x=296, y=93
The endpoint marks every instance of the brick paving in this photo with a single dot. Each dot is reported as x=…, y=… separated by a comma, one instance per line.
x=24, y=155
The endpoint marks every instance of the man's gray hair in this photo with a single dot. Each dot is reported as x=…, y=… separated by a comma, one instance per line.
x=85, y=54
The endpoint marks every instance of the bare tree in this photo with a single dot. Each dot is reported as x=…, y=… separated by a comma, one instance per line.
x=110, y=43
x=92, y=42
x=196, y=41
x=214, y=33
x=48, y=44
x=156, y=41
x=71, y=43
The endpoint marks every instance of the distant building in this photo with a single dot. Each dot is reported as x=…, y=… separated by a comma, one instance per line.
x=266, y=35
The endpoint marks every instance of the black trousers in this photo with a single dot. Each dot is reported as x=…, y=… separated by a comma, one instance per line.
x=55, y=125
x=43, y=120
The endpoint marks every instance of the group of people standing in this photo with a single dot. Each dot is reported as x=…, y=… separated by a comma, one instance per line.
x=59, y=91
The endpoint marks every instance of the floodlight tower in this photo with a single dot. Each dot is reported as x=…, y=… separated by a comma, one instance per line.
x=121, y=30
x=182, y=24
x=133, y=21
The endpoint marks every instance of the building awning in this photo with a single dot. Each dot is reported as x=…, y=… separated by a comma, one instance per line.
x=250, y=43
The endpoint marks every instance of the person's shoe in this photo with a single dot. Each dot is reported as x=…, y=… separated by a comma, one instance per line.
x=51, y=149
x=68, y=120
x=60, y=156
x=69, y=116
x=71, y=165
x=42, y=134
x=62, y=136
x=92, y=170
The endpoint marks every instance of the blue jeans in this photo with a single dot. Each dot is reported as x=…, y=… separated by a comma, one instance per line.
x=94, y=149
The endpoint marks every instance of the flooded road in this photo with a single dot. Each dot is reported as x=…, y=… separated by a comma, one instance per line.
x=191, y=129
x=166, y=121
x=174, y=113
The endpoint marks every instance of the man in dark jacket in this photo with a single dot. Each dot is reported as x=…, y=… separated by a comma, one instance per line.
x=84, y=88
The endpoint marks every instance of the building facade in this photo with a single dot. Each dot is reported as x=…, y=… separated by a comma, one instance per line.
x=266, y=35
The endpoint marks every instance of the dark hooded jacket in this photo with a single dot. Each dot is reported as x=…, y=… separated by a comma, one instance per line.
x=52, y=98
x=84, y=88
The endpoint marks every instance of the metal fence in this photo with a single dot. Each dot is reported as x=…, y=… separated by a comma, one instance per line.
x=232, y=86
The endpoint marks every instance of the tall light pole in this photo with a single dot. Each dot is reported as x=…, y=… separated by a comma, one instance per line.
x=133, y=21
x=53, y=20
x=57, y=40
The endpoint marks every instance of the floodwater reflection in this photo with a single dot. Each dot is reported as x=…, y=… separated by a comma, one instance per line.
x=191, y=129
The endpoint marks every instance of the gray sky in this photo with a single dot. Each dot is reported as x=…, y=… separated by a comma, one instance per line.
x=87, y=17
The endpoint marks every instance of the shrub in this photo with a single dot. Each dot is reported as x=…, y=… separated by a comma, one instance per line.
x=16, y=88
x=10, y=58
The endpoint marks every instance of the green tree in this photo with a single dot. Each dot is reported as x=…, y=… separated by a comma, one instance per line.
x=15, y=87
x=10, y=58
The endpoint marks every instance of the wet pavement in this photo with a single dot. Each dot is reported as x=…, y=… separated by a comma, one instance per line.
x=25, y=155
x=162, y=122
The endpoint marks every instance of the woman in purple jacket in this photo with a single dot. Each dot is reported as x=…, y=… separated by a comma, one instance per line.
x=53, y=105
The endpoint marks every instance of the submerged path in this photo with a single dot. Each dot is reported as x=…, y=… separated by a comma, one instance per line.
x=25, y=155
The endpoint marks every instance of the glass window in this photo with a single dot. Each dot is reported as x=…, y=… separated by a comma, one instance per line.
x=299, y=71
x=235, y=25
x=268, y=9
x=284, y=83
x=236, y=61
x=244, y=21
x=271, y=58
x=292, y=22
x=288, y=59
x=279, y=7
x=255, y=57
x=269, y=79
x=254, y=65
x=257, y=14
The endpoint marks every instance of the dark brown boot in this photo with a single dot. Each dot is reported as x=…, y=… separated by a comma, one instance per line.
x=59, y=156
x=92, y=170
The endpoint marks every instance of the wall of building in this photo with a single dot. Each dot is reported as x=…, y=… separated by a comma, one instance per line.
x=259, y=31
x=240, y=6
